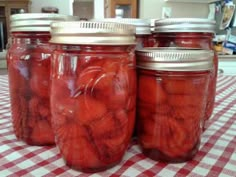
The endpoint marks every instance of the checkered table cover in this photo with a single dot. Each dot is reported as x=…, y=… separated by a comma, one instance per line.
x=216, y=157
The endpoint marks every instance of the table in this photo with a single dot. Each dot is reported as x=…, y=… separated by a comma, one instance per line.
x=216, y=157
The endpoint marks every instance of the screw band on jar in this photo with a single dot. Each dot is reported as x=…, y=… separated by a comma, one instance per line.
x=83, y=32
x=36, y=21
x=174, y=60
x=142, y=25
x=185, y=25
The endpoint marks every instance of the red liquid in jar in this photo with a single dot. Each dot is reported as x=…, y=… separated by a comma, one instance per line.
x=28, y=62
x=170, y=108
x=93, y=104
x=193, y=40
x=145, y=40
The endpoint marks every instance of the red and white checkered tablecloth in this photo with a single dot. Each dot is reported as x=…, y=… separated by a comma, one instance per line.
x=216, y=157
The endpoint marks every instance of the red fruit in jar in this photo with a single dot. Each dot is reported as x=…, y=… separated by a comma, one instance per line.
x=79, y=153
x=65, y=108
x=42, y=133
x=103, y=127
x=114, y=87
x=188, y=113
x=152, y=131
x=44, y=110
x=69, y=130
x=131, y=122
x=39, y=120
x=189, y=85
x=111, y=141
x=131, y=102
x=150, y=90
x=87, y=77
x=89, y=109
x=132, y=80
x=147, y=136
x=19, y=108
x=185, y=100
x=62, y=88
x=39, y=81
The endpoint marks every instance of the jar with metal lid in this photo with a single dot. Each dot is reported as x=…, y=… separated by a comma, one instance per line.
x=190, y=33
x=94, y=92
x=144, y=37
x=28, y=60
x=170, y=105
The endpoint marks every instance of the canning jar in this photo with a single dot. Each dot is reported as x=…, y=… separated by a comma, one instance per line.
x=94, y=92
x=190, y=33
x=28, y=60
x=144, y=37
x=170, y=104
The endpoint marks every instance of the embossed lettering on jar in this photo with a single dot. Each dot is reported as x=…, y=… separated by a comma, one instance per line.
x=28, y=60
x=94, y=92
x=190, y=33
x=170, y=105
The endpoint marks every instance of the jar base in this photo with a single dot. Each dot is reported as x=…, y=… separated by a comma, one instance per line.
x=157, y=155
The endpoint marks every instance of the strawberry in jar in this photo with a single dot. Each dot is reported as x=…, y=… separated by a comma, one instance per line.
x=94, y=92
x=29, y=64
x=170, y=105
x=193, y=33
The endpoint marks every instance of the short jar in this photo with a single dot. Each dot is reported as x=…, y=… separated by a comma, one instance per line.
x=170, y=105
x=190, y=33
x=94, y=92
x=28, y=62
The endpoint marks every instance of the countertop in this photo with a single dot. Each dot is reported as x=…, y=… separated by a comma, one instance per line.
x=216, y=156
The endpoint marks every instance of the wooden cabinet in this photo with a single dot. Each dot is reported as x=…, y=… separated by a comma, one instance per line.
x=8, y=8
x=121, y=8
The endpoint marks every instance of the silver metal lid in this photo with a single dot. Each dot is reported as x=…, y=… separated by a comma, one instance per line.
x=152, y=23
x=142, y=25
x=175, y=59
x=37, y=21
x=185, y=25
x=84, y=32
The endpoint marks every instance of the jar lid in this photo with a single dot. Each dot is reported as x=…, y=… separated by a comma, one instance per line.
x=29, y=22
x=185, y=25
x=152, y=23
x=175, y=59
x=142, y=25
x=85, y=32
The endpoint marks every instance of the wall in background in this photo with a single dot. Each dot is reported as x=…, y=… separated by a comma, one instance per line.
x=98, y=8
x=64, y=6
x=147, y=8
x=153, y=9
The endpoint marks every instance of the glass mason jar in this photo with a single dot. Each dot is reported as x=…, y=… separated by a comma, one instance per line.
x=28, y=61
x=144, y=37
x=94, y=92
x=190, y=33
x=170, y=105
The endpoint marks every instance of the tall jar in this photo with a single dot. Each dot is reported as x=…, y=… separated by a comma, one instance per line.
x=190, y=33
x=144, y=37
x=28, y=61
x=170, y=104
x=94, y=92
